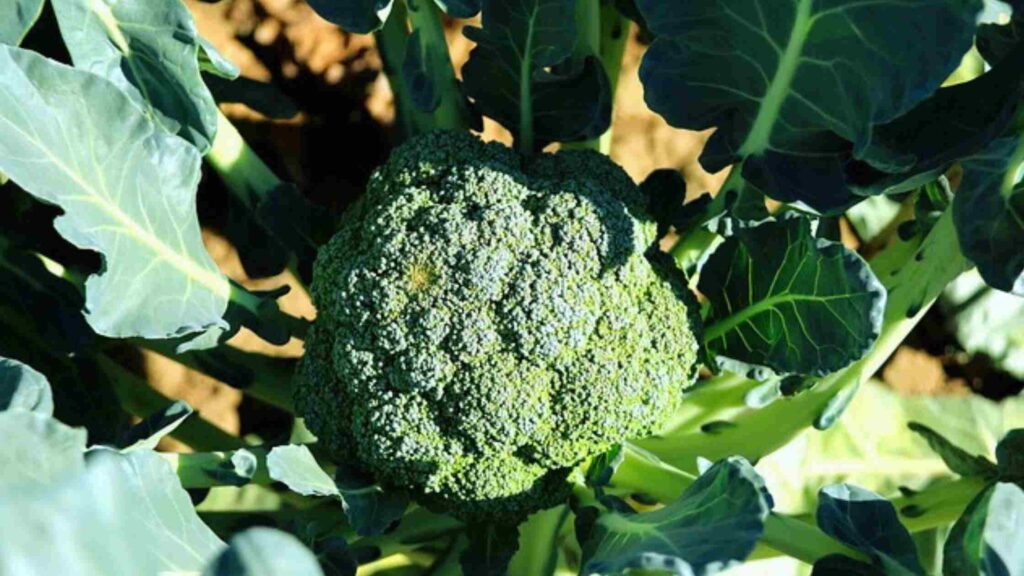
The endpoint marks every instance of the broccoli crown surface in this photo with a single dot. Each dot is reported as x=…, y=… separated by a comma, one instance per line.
x=482, y=327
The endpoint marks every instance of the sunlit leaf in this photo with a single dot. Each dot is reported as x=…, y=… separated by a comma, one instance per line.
x=128, y=191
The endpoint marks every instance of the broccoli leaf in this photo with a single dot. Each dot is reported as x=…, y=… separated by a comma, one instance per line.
x=359, y=16
x=264, y=552
x=127, y=189
x=784, y=299
x=38, y=449
x=996, y=41
x=22, y=388
x=370, y=509
x=986, y=538
x=867, y=522
x=714, y=525
x=147, y=434
x=13, y=28
x=983, y=109
x=128, y=513
x=804, y=80
x=1010, y=456
x=365, y=16
x=957, y=459
x=988, y=211
x=522, y=74
x=150, y=50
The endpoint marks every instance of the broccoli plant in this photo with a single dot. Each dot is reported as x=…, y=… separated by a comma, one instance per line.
x=522, y=361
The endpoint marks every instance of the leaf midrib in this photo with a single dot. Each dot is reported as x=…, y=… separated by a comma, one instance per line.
x=759, y=138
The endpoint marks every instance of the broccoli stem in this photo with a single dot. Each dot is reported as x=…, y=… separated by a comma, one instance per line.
x=914, y=272
x=392, y=41
x=602, y=31
x=203, y=469
x=538, y=543
x=138, y=398
x=425, y=18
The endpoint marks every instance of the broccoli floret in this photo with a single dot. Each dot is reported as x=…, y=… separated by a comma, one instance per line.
x=484, y=327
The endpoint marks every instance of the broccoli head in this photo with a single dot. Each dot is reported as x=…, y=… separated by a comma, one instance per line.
x=483, y=326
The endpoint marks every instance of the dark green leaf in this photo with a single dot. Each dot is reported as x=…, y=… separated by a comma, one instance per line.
x=262, y=97
x=996, y=41
x=1010, y=456
x=988, y=211
x=19, y=16
x=37, y=449
x=264, y=552
x=22, y=388
x=784, y=299
x=370, y=509
x=957, y=459
x=418, y=73
x=923, y=143
x=490, y=549
x=147, y=434
x=336, y=557
x=460, y=8
x=986, y=540
x=804, y=80
x=359, y=16
x=522, y=74
x=799, y=71
x=838, y=565
x=867, y=522
x=150, y=50
x=158, y=279
x=714, y=525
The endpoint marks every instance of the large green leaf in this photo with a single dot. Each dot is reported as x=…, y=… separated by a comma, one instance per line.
x=37, y=449
x=150, y=49
x=986, y=540
x=264, y=552
x=522, y=74
x=784, y=299
x=712, y=526
x=996, y=41
x=125, y=514
x=127, y=189
x=928, y=142
x=19, y=16
x=22, y=388
x=370, y=509
x=790, y=84
x=988, y=210
x=868, y=523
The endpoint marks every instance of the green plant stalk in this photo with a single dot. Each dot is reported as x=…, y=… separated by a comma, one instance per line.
x=451, y=113
x=200, y=469
x=913, y=272
x=603, y=32
x=938, y=505
x=392, y=41
x=138, y=398
x=538, y=543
